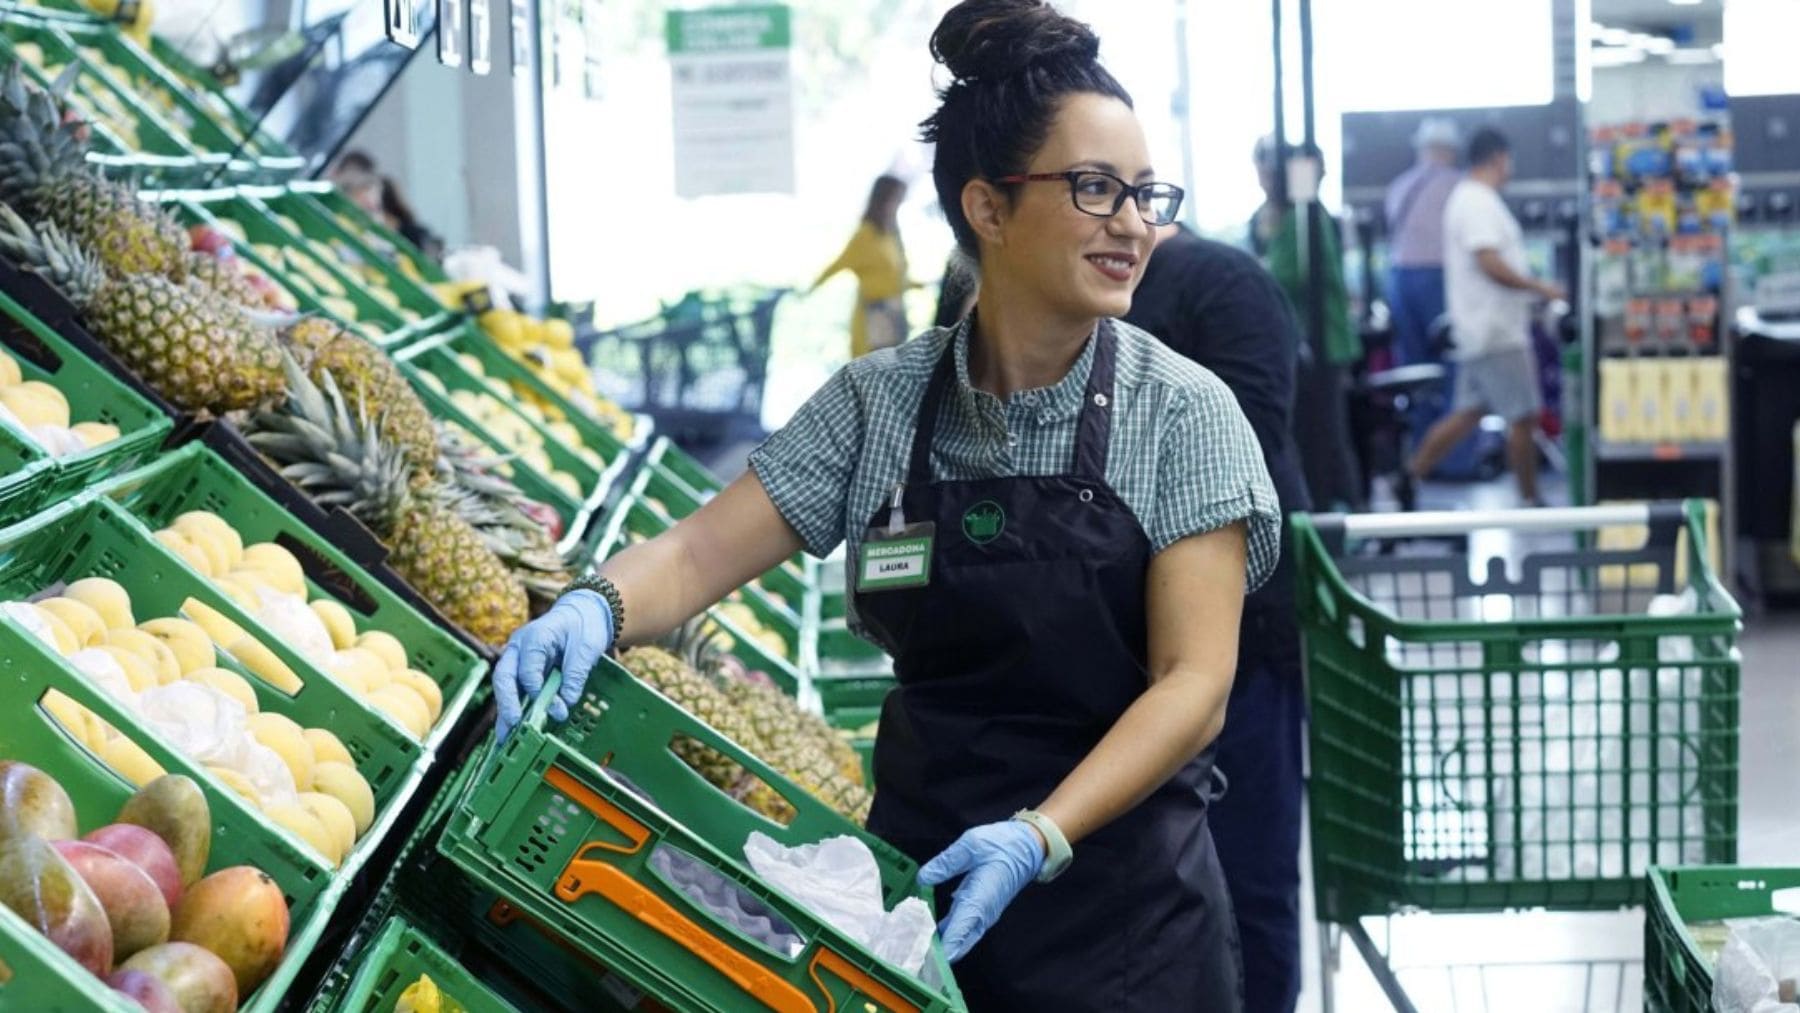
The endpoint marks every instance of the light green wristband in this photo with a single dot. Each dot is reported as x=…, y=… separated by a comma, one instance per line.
x=1058, y=853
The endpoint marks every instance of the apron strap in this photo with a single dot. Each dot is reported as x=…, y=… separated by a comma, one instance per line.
x=1093, y=432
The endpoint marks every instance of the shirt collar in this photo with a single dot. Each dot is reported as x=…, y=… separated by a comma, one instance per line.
x=1058, y=401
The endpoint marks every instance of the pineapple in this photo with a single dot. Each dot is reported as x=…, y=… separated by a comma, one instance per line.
x=499, y=510
x=342, y=458
x=370, y=379
x=197, y=352
x=44, y=173
x=224, y=280
x=757, y=717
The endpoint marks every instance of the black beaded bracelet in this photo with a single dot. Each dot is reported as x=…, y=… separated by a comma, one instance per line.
x=605, y=589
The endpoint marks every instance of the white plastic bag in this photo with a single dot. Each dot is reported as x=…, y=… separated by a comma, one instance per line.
x=1760, y=954
x=103, y=670
x=838, y=880
x=296, y=624
x=202, y=722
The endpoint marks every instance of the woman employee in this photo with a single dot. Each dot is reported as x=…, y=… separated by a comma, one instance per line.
x=1053, y=520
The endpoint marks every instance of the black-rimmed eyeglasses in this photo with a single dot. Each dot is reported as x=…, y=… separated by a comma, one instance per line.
x=1103, y=194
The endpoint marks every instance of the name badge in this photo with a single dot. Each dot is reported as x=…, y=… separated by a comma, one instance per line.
x=891, y=560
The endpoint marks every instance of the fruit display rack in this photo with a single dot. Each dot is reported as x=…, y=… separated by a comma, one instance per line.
x=159, y=85
x=1684, y=926
x=307, y=273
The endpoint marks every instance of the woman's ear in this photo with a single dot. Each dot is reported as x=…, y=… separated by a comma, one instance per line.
x=985, y=207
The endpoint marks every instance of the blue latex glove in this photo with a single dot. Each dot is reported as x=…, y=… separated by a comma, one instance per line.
x=572, y=636
x=996, y=861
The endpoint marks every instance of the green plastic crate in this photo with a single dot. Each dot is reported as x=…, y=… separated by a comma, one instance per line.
x=43, y=977
x=33, y=477
x=632, y=516
x=549, y=824
x=373, y=320
x=309, y=223
x=376, y=235
x=852, y=705
x=666, y=481
x=397, y=958
x=95, y=537
x=1678, y=978
x=158, y=153
x=1503, y=742
x=274, y=159
x=196, y=478
x=432, y=358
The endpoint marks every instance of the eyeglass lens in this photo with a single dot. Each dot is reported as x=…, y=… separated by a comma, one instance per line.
x=1100, y=194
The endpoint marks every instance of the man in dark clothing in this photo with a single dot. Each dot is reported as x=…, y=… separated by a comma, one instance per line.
x=1217, y=305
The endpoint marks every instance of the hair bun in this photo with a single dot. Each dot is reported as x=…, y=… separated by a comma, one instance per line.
x=986, y=40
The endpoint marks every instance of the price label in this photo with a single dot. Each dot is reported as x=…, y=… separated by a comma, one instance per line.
x=481, y=36
x=450, y=32
x=402, y=23
x=521, y=37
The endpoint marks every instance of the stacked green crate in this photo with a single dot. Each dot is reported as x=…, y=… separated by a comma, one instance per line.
x=196, y=478
x=375, y=234
x=126, y=136
x=760, y=629
x=399, y=959
x=589, y=828
x=40, y=694
x=1683, y=926
x=312, y=279
x=96, y=537
x=30, y=476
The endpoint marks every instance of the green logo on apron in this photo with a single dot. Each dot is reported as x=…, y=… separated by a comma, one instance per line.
x=984, y=521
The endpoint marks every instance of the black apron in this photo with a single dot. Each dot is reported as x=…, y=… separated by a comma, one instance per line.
x=1023, y=651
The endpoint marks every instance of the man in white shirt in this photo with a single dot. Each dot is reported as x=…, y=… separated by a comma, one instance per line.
x=1490, y=292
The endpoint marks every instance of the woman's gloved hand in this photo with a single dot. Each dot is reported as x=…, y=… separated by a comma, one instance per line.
x=996, y=861
x=572, y=636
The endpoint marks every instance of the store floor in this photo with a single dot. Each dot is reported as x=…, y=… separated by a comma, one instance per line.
x=1578, y=963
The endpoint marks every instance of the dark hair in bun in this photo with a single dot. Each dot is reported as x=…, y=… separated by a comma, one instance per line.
x=1013, y=61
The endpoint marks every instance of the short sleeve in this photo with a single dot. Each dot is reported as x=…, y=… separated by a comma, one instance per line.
x=1210, y=474
x=1482, y=224
x=806, y=465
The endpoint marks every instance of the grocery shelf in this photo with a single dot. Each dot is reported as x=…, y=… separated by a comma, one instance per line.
x=1705, y=451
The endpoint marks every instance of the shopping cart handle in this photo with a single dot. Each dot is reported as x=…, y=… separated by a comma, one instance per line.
x=1457, y=522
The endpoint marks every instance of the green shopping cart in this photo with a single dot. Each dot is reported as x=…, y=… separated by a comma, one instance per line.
x=1507, y=715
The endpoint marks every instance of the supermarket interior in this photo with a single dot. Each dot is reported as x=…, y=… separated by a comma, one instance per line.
x=565, y=505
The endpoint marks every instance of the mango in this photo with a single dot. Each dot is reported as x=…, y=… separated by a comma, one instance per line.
x=76, y=719
x=161, y=658
x=9, y=366
x=212, y=526
x=261, y=661
x=106, y=597
x=83, y=621
x=200, y=981
x=403, y=705
x=145, y=850
x=299, y=820
x=129, y=760
x=47, y=892
x=281, y=734
x=240, y=915
x=238, y=783
x=360, y=669
x=135, y=908
x=342, y=782
x=145, y=990
x=218, y=555
x=32, y=802
x=241, y=587
x=229, y=683
x=328, y=748
x=428, y=691
x=95, y=434
x=278, y=564
x=220, y=630
x=187, y=640
x=385, y=646
x=334, y=816
x=174, y=808
x=140, y=673
x=187, y=551
x=61, y=636
x=338, y=621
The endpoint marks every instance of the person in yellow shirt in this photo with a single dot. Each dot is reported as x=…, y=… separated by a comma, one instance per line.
x=877, y=258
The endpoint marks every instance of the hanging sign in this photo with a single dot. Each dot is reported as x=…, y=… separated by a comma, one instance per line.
x=481, y=37
x=450, y=32
x=521, y=37
x=733, y=91
x=402, y=23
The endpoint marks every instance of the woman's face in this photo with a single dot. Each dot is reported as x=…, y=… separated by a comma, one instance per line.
x=1081, y=265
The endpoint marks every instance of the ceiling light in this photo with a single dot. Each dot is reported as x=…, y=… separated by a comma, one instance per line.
x=1694, y=57
x=1687, y=3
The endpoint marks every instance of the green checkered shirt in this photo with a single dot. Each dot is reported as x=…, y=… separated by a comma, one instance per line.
x=1182, y=457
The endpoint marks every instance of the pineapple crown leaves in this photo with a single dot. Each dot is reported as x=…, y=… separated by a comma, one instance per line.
x=35, y=134
x=323, y=448
x=48, y=252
